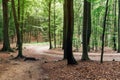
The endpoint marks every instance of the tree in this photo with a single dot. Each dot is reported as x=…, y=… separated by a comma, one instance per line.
x=115, y=26
x=89, y=25
x=103, y=34
x=54, y=24
x=17, y=26
x=6, y=42
x=49, y=33
x=64, y=29
x=86, y=30
x=70, y=28
x=118, y=26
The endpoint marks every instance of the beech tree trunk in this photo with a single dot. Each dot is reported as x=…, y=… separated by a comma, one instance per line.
x=86, y=29
x=17, y=26
x=70, y=28
x=64, y=29
x=6, y=42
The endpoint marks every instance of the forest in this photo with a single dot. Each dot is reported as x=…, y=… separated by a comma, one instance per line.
x=59, y=39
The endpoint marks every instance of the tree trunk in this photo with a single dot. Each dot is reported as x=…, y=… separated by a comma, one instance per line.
x=49, y=25
x=115, y=26
x=6, y=42
x=89, y=25
x=64, y=29
x=17, y=26
x=22, y=19
x=119, y=27
x=85, y=31
x=103, y=35
x=70, y=29
x=54, y=25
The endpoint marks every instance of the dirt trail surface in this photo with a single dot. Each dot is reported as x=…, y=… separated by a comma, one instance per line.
x=50, y=66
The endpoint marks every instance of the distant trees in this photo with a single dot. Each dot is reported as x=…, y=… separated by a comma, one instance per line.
x=46, y=19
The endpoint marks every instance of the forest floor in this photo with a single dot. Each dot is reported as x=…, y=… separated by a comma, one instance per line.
x=50, y=65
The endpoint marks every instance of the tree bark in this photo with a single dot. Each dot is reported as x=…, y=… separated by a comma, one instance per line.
x=64, y=29
x=70, y=28
x=85, y=32
x=103, y=35
x=54, y=24
x=49, y=25
x=115, y=26
x=118, y=26
x=17, y=26
x=6, y=41
x=89, y=25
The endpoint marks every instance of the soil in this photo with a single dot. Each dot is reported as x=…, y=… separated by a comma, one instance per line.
x=50, y=66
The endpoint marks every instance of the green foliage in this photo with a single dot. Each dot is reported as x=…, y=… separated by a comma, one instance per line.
x=94, y=1
x=36, y=19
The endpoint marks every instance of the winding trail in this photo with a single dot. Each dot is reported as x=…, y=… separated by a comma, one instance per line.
x=43, y=50
x=29, y=70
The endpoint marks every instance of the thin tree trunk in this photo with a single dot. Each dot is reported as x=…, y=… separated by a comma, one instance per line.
x=103, y=35
x=54, y=25
x=50, y=41
x=115, y=26
x=118, y=26
x=22, y=19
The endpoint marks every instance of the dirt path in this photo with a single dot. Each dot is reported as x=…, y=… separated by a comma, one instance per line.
x=24, y=70
x=109, y=56
x=32, y=70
